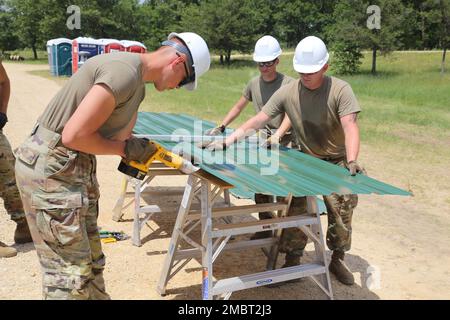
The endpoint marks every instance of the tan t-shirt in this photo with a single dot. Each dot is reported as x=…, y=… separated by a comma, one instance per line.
x=315, y=115
x=121, y=72
x=259, y=92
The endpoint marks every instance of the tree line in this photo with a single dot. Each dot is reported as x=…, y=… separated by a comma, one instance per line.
x=347, y=26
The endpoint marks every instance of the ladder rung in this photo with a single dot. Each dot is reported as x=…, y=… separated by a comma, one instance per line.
x=149, y=209
x=262, y=225
x=228, y=211
x=267, y=277
x=233, y=246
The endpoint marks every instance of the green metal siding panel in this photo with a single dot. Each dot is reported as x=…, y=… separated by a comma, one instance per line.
x=299, y=173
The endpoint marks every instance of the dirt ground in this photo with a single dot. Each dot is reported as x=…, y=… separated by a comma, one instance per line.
x=406, y=240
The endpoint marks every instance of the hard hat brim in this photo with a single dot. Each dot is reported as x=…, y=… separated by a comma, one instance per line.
x=265, y=58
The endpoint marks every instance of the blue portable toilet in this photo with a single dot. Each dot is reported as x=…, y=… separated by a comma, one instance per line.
x=62, y=55
x=83, y=49
x=59, y=53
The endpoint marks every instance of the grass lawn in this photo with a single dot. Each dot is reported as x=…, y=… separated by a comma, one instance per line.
x=28, y=55
x=406, y=106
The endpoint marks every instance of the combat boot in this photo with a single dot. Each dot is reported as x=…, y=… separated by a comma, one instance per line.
x=7, y=252
x=291, y=260
x=22, y=233
x=339, y=269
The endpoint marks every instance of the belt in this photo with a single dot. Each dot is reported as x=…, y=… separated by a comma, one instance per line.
x=52, y=138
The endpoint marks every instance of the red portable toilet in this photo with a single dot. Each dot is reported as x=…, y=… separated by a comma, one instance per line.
x=134, y=46
x=110, y=45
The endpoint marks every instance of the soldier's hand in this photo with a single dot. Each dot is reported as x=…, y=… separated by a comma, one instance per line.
x=203, y=144
x=213, y=145
x=139, y=149
x=355, y=168
x=215, y=131
x=218, y=145
x=270, y=142
x=3, y=120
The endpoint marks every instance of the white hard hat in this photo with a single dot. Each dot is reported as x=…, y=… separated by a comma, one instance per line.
x=266, y=49
x=198, y=52
x=310, y=55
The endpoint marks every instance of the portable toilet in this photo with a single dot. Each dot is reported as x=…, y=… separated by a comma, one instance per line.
x=134, y=46
x=88, y=47
x=50, y=56
x=62, y=57
x=110, y=45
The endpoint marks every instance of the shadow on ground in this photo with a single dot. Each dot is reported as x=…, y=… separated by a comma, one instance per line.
x=238, y=263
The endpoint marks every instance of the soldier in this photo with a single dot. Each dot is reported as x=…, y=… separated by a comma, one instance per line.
x=8, y=188
x=323, y=112
x=259, y=90
x=92, y=114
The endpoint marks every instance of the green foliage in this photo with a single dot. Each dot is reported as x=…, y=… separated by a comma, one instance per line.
x=346, y=58
x=8, y=40
x=350, y=33
x=234, y=26
x=298, y=19
x=225, y=25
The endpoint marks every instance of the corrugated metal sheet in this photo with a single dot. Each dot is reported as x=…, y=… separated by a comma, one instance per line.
x=297, y=173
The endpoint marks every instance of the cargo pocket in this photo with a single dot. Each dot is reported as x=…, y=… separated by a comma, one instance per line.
x=58, y=217
x=26, y=155
x=60, y=162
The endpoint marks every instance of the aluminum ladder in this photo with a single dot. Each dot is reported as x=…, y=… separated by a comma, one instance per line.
x=215, y=239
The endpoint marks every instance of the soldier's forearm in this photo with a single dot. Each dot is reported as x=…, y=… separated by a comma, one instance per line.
x=352, y=142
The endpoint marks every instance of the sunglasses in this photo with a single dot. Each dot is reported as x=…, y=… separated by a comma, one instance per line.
x=188, y=78
x=267, y=64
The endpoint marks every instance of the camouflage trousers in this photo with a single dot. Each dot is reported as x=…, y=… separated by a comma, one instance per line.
x=264, y=198
x=60, y=195
x=339, y=232
x=8, y=188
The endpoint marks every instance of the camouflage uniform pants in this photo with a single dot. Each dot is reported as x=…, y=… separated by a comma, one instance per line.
x=264, y=198
x=60, y=194
x=8, y=188
x=339, y=232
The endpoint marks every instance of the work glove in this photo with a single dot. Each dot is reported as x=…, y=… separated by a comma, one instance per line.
x=355, y=168
x=139, y=149
x=270, y=142
x=218, y=145
x=3, y=120
x=215, y=131
x=212, y=145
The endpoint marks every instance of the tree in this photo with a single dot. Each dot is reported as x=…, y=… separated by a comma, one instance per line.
x=300, y=18
x=158, y=18
x=347, y=35
x=28, y=14
x=8, y=38
x=355, y=29
x=444, y=34
x=225, y=25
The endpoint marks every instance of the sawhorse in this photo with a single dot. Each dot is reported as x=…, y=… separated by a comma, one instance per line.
x=214, y=240
x=142, y=214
